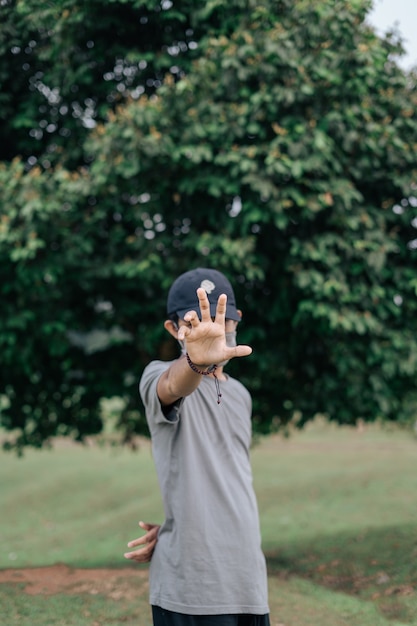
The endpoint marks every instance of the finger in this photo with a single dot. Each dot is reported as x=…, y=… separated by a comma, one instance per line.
x=183, y=332
x=192, y=318
x=204, y=305
x=221, y=309
x=138, y=542
x=134, y=554
x=146, y=550
x=151, y=535
x=237, y=351
x=141, y=556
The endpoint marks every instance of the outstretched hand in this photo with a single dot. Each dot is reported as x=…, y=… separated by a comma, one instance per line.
x=147, y=543
x=205, y=339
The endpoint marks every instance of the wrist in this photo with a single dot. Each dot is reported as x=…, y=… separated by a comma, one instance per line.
x=211, y=370
x=198, y=368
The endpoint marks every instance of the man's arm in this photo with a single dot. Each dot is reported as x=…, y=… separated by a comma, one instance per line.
x=178, y=381
x=206, y=345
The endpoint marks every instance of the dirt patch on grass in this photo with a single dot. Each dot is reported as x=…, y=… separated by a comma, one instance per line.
x=114, y=583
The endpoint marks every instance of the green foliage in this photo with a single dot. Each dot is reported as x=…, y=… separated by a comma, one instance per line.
x=281, y=148
x=64, y=65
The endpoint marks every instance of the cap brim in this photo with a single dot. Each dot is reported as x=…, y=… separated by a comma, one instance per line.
x=231, y=312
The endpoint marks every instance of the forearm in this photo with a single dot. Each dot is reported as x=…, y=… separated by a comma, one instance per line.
x=178, y=381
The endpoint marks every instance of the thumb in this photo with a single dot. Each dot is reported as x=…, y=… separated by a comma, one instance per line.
x=241, y=350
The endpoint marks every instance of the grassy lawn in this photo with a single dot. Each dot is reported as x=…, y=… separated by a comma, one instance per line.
x=338, y=513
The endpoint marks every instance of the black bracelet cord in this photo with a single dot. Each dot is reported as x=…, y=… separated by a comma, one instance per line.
x=211, y=370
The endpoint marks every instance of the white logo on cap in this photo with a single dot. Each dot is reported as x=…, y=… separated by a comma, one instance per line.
x=208, y=286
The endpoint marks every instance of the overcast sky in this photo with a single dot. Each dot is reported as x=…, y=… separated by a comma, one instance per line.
x=403, y=13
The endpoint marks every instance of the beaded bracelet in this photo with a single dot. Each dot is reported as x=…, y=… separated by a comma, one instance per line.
x=211, y=370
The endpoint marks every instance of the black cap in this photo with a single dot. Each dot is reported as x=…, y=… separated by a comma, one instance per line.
x=182, y=296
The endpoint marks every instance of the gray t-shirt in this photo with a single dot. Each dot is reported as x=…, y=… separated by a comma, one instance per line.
x=208, y=559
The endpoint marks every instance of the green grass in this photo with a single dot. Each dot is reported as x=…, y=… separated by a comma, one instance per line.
x=76, y=505
x=342, y=514
x=293, y=603
x=338, y=513
x=20, y=609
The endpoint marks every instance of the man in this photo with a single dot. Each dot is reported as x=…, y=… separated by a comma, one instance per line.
x=207, y=568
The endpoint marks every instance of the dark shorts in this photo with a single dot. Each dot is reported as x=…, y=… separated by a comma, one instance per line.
x=162, y=617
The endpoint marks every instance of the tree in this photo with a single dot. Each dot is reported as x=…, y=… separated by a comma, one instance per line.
x=285, y=156
x=65, y=64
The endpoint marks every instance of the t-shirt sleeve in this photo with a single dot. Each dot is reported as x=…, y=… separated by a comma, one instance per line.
x=155, y=412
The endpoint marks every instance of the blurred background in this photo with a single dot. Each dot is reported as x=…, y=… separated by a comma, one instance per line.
x=274, y=141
